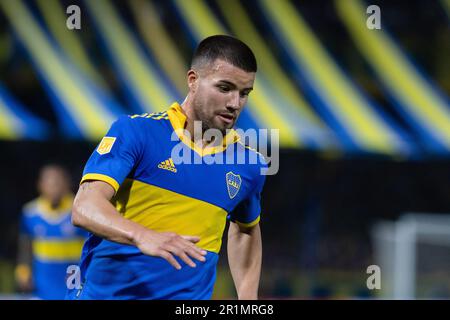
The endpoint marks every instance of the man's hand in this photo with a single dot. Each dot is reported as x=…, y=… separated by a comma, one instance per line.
x=93, y=211
x=23, y=277
x=167, y=244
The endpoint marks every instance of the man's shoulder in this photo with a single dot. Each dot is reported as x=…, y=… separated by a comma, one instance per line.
x=30, y=208
x=144, y=119
x=150, y=116
x=255, y=162
x=140, y=124
x=258, y=158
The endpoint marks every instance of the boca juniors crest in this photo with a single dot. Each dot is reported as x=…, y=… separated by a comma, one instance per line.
x=233, y=184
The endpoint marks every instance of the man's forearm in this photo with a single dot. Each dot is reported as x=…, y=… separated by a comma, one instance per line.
x=93, y=212
x=23, y=268
x=244, y=257
x=24, y=255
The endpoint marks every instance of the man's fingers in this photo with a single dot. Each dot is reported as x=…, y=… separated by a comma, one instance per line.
x=187, y=260
x=193, y=239
x=196, y=255
x=169, y=257
x=193, y=247
x=182, y=254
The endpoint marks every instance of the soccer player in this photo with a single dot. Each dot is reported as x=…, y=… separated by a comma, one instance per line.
x=157, y=222
x=48, y=242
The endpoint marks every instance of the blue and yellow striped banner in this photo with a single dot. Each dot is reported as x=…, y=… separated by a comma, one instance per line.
x=416, y=99
x=80, y=108
x=16, y=122
x=354, y=118
x=145, y=87
x=10, y=127
x=68, y=40
x=158, y=41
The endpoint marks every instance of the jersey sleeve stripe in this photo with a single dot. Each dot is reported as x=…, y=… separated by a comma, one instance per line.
x=249, y=224
x=101, y=177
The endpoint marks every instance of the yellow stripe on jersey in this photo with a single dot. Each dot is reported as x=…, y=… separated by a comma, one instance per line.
x=250, y=224
x=163, y=210
x=53, y=215
x=57, y=250
x=101, y=177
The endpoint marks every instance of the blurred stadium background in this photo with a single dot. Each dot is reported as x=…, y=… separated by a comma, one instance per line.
x=363, y=114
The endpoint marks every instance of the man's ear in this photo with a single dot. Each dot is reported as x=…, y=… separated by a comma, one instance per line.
x=192, y=77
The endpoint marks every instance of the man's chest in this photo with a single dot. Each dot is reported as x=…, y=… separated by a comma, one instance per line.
x=60, y=228
x=210, y=178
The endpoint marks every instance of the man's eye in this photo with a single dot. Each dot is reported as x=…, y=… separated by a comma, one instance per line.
x=224, y=88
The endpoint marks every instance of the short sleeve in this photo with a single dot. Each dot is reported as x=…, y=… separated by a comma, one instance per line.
x=116, y=154
x=247, y=212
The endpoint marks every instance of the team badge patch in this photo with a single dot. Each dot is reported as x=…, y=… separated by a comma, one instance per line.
x=105, y=145
x=233, y=184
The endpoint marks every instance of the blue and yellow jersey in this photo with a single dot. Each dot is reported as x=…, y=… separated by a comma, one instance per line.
x=56, y=244
x=166, y=183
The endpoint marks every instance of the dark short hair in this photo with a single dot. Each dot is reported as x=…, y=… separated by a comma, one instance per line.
x=228, y=48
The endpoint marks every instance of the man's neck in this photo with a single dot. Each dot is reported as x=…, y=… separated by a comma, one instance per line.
x=189, y=125
x=55, y=203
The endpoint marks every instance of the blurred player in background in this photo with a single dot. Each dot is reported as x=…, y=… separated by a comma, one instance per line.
x=48, y=242
x=151, y=217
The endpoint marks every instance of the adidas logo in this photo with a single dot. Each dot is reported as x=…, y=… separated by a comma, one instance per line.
x=168, y=165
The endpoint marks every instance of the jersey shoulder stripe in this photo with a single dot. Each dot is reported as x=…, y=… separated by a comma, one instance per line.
x=155, y=115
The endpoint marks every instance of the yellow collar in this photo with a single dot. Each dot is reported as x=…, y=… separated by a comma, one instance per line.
x=64, y=206
x=178, y=119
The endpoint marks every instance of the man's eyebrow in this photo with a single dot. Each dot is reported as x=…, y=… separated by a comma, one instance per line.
x=231, y=84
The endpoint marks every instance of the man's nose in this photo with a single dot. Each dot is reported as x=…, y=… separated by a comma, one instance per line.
x=234, y=101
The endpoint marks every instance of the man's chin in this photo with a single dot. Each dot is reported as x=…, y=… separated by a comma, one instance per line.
x=222, y=127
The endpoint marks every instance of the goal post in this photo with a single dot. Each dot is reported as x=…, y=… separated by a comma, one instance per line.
x=414, y=256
